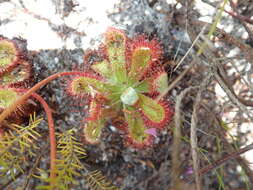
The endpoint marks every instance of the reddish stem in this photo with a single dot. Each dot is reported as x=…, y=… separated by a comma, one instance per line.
x=36, y=87
x=51, y=137
x=22, y=99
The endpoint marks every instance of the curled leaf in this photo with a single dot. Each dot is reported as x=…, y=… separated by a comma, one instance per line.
x=92, y=131
x=94, y=110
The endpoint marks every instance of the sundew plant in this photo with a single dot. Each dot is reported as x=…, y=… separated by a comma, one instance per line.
x=126, y=84
x=126, y=87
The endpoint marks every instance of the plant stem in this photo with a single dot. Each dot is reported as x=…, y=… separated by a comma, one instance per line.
x=51, y=137
x=221, y=161
x=36, y=87
x=48, y=111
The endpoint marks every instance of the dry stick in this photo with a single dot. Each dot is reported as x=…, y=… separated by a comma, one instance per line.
x=52, y=138
x=177, y=139
x=243, y=21
x=221, y=161
x=233, y=13
x=221, y=132
x=242, y=78
x=194, y=148
x=35, y=165
x=240, y=17
x=223, y=76
x=220, y=76
x=230, y=148
x=235, y=100
x=224, y=37
x=189, y=50
x=193, y=140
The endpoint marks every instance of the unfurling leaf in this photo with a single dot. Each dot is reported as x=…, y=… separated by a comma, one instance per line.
x=92, y=131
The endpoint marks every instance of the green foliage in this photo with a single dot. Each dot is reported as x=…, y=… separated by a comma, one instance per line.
x=97, y=181
x=16, y=146
x=69, y=166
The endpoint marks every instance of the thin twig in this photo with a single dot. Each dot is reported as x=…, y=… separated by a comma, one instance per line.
x=189, y=50
x=221, y=133
x=221, y=77
x=28, y=177
x=176, y=181
x=234, y=99
x=194, y=146
x=193, y=139
x=223, y=160
x=19, y=174
x=225, y=37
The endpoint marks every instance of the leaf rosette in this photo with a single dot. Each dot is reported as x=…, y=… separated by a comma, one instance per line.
x=128, y=79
